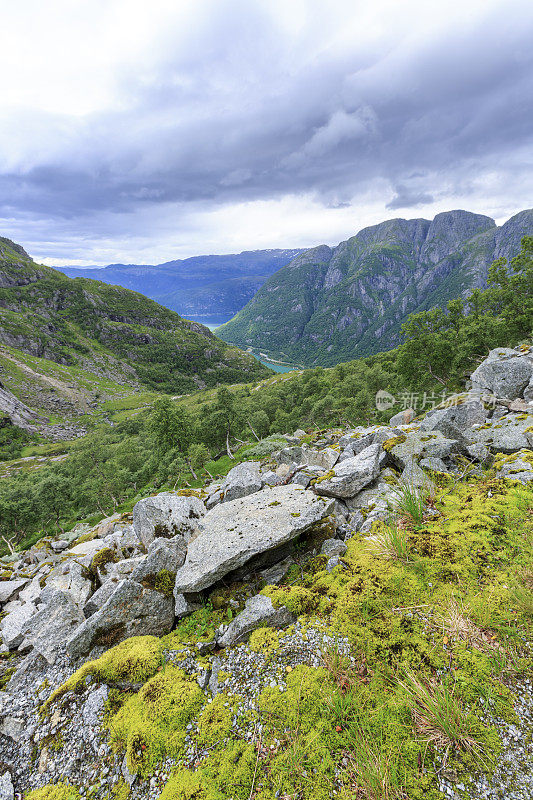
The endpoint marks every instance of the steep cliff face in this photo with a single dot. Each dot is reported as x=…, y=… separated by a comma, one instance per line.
x=333, y=304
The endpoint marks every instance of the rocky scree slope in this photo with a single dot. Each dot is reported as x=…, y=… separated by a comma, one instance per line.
x=334, y=304
x=294, y=630
x=197, y=286
x=109, y=331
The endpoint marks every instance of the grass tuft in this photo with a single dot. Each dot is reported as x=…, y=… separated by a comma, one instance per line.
x=439, y=717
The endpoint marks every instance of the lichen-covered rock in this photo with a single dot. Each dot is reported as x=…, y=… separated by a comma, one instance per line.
x=505, y=373
x=233, y=533
x=166, y=515
x=48, y=629
x=242, y=480
x=132, y=610
x=353, y=474
x=507, y=435
x=465, y=412
x=163, y=554
x=421, y=444
x=258, y=612
x=9, y=590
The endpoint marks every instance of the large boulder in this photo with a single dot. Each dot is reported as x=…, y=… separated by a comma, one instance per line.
x=242, y=480
x=462, y=414
x=48, y=630
x=505, y=373
x=507, y=435
x=132, y=610
x=163, y=554
x=257, y=613
x=353, y=474
x=166, y=515
x=233, y=533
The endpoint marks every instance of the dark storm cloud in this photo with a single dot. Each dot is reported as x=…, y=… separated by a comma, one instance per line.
x=246, y=113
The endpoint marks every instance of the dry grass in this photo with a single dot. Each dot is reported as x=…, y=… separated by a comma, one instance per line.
x=439, y=718
x=456, y=624
x=391, y=543
x=372, y=773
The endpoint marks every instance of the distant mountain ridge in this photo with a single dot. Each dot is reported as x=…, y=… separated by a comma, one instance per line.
x=198, y=286
x=334, y=304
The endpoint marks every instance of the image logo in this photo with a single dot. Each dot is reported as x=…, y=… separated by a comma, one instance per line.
x=384, y=400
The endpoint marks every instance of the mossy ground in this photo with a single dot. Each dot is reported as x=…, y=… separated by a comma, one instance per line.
x=452, y=618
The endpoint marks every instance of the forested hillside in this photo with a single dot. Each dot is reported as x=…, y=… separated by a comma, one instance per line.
x=109, y=332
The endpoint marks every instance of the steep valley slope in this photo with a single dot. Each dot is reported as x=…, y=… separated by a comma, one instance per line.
x=67, y=344
x=330, y=305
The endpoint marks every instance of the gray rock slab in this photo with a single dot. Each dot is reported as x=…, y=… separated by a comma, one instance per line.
x=48, y=630
x=168, y=554
x=505, y=373
x=7, y=792
x=100, y=597
x=462, y=414
x=258, y=612
x=353, y=474
x=233, y=533
x=186, y=604
x=9, y=590
x=132, y=610
x=518, y=470
x=94, y=706
x=166, y=515
x=506, y=435
x=422, y=444
x=242, y=480
x=325, y=459
x=12, y=625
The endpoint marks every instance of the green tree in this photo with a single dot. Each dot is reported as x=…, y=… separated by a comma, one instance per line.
x=170, y=425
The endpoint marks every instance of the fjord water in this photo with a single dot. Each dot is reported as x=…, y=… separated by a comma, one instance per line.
x=212, y=321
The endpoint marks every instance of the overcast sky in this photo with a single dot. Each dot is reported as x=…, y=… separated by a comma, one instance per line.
x=145, y=130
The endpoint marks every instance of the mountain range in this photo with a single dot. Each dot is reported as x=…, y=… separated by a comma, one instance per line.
x=201, y=286
x=333, y=304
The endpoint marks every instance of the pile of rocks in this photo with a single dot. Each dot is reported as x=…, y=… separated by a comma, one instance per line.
x=64, y=600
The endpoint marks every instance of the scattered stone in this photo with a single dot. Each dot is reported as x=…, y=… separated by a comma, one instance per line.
x=166, y=515
x=258, y=612
x=353, y=474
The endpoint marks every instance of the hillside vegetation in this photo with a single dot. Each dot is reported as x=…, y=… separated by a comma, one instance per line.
x=110, y=331
x=153, y=449
x=330, y=305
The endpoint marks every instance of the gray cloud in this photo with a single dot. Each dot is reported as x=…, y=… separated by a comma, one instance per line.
x=246, y=111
